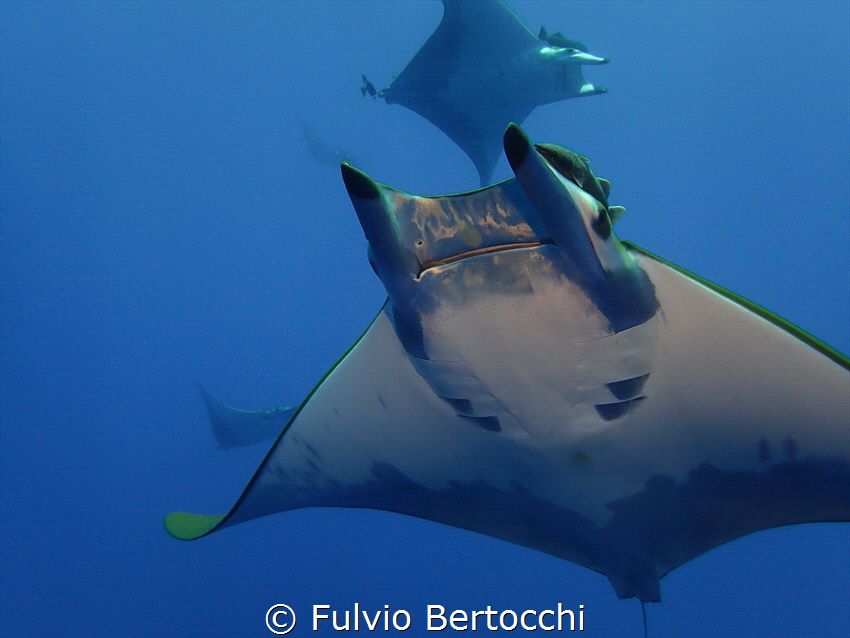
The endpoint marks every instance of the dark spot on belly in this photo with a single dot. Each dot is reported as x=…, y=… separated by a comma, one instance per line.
x=580, y=459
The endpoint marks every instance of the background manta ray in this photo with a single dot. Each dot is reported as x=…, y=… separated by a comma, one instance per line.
x=482, y=69
x=321, y=151
x=535, y=379
x=233, y=427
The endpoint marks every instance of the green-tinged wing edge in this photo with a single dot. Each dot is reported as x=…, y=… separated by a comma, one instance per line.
x=188, y=527
x=764, y=313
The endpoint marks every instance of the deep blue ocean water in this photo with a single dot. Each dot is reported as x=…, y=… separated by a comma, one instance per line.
x=163, y=222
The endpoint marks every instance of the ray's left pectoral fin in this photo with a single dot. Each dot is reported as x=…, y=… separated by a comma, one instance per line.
x=672, y=523
x=746, y=311
x=759, y=413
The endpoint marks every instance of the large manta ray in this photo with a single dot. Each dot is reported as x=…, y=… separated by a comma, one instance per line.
x=533, y=378
x=482, y=69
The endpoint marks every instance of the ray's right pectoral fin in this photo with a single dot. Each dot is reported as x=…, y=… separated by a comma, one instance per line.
x=346, y=447
x=188, y=527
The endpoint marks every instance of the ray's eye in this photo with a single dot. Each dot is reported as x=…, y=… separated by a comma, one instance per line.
x=603, y=224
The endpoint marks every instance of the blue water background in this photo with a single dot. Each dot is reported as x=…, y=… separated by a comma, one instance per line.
x=164, y=222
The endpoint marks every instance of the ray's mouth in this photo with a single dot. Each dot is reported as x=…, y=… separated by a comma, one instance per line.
x=475, y=252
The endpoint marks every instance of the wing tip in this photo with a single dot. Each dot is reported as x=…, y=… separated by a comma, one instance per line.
x=187, y=527
x=359, y=184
